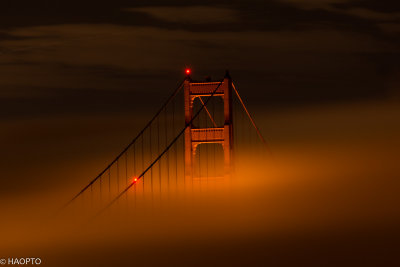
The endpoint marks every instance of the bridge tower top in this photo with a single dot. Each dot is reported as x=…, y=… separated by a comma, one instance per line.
x=195, y=136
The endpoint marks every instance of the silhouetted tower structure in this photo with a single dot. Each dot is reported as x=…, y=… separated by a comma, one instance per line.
x=195, y=136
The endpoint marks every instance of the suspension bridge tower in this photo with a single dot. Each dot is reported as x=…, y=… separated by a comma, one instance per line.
x=195, y=135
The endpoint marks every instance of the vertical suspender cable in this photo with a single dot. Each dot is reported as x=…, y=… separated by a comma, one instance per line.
x=126, y=168
x=91, y=196
x=100, y=187
x=136, y=170
x=142, y=161
x=175, y=146
x=134, y=160
x=126, y=172
x=158, y=152
x=109, y=183
x=117, y=175
x=151, y=156
x=166, y=142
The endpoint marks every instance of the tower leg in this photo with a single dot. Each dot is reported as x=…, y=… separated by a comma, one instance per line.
x=188, y=154
x=227, y=151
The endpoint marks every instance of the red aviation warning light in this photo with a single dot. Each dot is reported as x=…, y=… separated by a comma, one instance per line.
x=188, y=71
x=134, y=180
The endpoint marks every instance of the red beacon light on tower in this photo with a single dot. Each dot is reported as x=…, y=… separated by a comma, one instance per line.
x=188, y=71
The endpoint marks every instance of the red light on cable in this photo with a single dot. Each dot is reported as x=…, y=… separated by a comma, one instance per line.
x=134, y=180
x=188, y=71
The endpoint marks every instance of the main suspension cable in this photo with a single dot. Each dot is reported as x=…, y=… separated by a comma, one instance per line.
x=172, y=96
x=251, y=119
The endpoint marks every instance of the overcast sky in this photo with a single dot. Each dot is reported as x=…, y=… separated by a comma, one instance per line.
x=92, y=56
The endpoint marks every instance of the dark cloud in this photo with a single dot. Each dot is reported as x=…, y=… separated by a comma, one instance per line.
x=302, y=51
x=189, y=14
x=290, y=64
